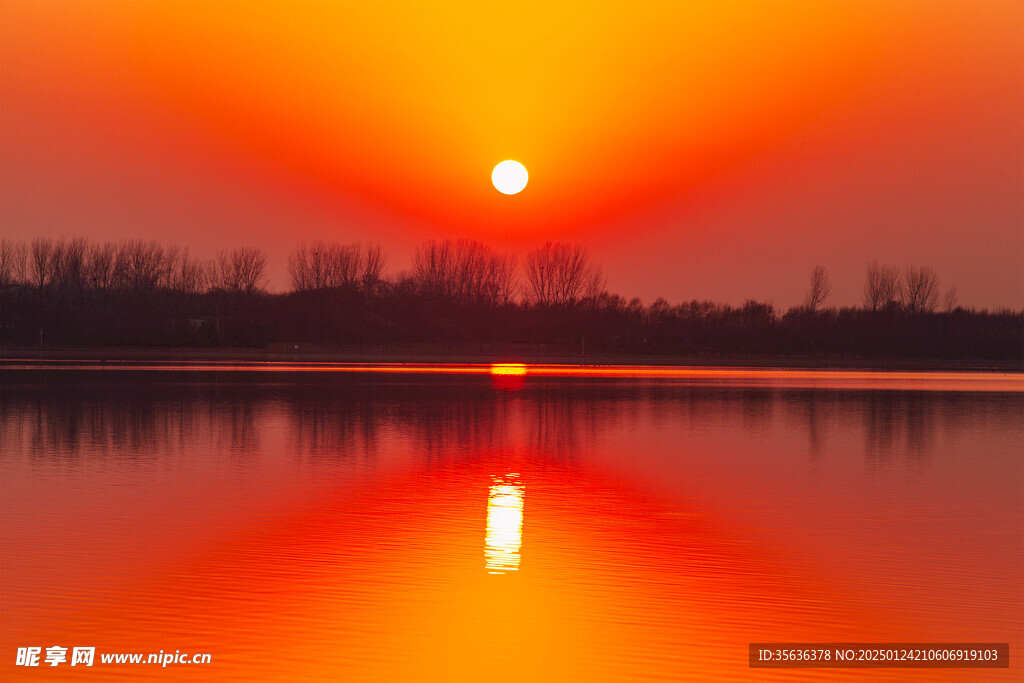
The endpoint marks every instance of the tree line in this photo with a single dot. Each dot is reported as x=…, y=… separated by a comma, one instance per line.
x=914, y=290
x=136, y=265
x=457, y=293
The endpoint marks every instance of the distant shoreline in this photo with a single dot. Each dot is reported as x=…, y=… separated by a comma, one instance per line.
x=477, y=355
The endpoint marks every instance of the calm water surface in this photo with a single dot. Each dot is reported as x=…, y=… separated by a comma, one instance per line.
x=466, y=526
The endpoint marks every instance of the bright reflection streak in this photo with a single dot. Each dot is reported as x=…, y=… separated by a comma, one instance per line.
x=508, y=369
x=504, y=524
x=768, y=377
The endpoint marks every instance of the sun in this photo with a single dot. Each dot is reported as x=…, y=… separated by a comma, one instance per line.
x=509, y=177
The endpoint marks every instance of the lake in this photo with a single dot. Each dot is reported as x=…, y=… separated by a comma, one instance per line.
x=368, y=523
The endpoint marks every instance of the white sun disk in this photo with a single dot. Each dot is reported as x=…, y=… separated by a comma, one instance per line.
x=509, y=177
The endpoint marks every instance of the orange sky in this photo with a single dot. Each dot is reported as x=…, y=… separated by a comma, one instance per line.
x=700, y=149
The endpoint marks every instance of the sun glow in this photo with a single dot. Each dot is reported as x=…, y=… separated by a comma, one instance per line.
x=510, y=177
x=508, y=369
x=504, y=524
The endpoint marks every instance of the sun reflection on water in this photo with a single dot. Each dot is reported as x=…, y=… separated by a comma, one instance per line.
x=508, y=369
x=504, y=524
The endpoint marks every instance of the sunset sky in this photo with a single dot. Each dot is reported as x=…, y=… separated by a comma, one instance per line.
x=711, y=150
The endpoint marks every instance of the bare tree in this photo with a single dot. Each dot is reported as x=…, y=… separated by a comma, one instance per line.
x=219, y=275
x=882, y=287
x=141, y=266
x=433, y=267
x=821, y=289
x=68, y=263
x=185, y=273
x=344, y=265
x=487, y=277
x=99, y=268
x=465, y=272
x=251, y=265
x=119, y=270
x=240, y=270
x=298, y=267
x=472, y=272
x=873, y=287
x=56, y=264
x=920, y=289
x=323, y=265
x=950, y=300
x=307, y=266
x=12, y=262
x=559, y=274
x=596, y=284
x=191, y=279
x=41, y=262
x=504, y=269
x=373, y=261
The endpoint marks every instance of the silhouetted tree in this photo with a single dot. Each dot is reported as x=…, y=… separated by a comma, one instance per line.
x=68, y=263
x=820, y=289
x=373, y=261
x=950, y=299
x=595, y=284
x=307, y=267
x=12, y=262
x=560, y=274
x=240, y=270
x=41, y=262
x=505, y=278
x=471, y=261
x=99, y=268
x=250, y=264
x=141, y=266
x=343, y=265
x=920, y=289
x=464, y=272
x=882, y=287
x=184, y=273
x=434, y=268
x=330, y=265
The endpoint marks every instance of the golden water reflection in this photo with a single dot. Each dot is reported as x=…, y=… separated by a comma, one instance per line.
x=508, y=369
x=504, y=524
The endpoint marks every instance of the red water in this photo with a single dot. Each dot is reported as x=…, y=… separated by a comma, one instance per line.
x=435, y=526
